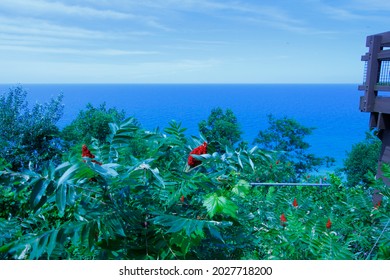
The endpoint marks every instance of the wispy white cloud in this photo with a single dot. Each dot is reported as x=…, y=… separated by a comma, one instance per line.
x=37, y=28
x=275, y=16
x=340, y=13
x=40, y=7
x=33, y=27
x=83, y=52
x=352, y=10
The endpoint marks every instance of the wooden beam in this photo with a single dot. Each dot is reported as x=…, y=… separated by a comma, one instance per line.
x=384, y=55
x=362, y=87
x=365, y=57
x=373, y=65
x=382, y=88
x=385, y=38
x=374, y=117
x=382, y=105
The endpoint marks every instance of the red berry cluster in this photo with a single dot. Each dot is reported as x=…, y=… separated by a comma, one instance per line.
x=202, y=149
x=87, y=153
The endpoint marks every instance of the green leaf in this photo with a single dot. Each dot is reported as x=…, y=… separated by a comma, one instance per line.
x=220, y=205
x=61, y=198
x=38, y=189
x=39, y=246
x=251, y=163
x=105, y=170
x=155, y=173
x=241, y=188
x=52, y=242
x=239, y=160
x=68, y=174
x=214, y=232
x=113, y=127
x=386, y=170
x=177, y=224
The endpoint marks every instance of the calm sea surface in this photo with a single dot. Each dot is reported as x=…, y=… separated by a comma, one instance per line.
x=332, y=109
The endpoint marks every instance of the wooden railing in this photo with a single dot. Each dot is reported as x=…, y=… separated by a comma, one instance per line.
x=377, y=80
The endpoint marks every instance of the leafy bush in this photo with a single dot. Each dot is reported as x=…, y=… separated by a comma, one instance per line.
x=92, y=123
x=152, y=205
x=221, y=129
x=285, y=137
x=362, y=158
x=29, y=136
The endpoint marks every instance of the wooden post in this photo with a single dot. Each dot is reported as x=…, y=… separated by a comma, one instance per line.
x=373, y=70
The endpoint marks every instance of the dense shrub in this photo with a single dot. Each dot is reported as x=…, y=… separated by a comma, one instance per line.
x=92, y=123
x=361, y=159
x=221, y=129
x=286, y=137
x=29, y=136
x=155, y=206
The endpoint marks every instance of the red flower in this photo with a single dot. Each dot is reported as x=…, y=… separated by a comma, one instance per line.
x=295, y=203
x=329, y=224
x=202, y=149
x=377, y=205
x=182, y=198
x=87, y=153
x=283, y=220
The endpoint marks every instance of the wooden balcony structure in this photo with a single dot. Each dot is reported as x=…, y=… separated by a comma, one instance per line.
x=376, y=99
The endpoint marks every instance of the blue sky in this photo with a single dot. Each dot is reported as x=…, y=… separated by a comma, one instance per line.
x=187, y=41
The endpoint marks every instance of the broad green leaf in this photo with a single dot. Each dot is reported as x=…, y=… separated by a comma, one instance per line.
x=38, y=190
x=68, y=174
x=251, y=163
x=251, y=151
x=178, y=225
x=52, y=242
x=39, y=246
x=239, y=160
x=220, y=205
x=71, y=195
x=214, y=232
x=61, y=198
x=105, y=170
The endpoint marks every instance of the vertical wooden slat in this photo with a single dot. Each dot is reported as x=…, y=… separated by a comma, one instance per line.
x=373, y=70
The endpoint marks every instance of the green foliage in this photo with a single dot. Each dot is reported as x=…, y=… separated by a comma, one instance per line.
x=150, y=206
x=29, y=136
x=221, y=129
x=92, y=123
x=362, y=158
x=285, y=137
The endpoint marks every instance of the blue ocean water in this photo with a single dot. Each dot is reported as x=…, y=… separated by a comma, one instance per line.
x=333, y=109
